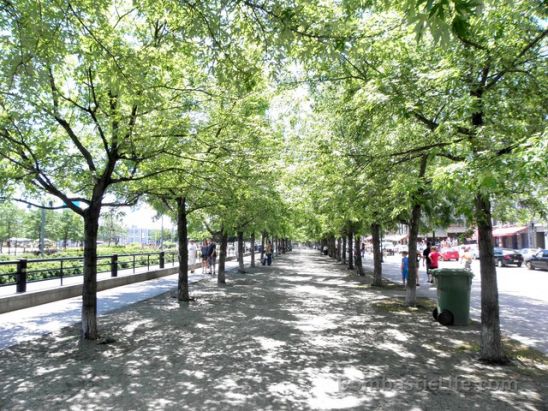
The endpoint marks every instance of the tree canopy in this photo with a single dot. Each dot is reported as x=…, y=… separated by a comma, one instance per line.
x=285, y=118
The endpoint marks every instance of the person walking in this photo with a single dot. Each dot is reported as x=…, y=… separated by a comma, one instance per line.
x=192, y=253
x=426, y=260
x=211, y=256
x=204, y=251
x=434, y=257
x=269, y=253
x=404, y=267
x=467, y=258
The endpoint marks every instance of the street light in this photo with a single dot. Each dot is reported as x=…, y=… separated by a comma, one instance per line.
x=162, y=233
x=43, y=226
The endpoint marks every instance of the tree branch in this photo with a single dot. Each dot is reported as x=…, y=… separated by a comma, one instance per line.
x=514, y=62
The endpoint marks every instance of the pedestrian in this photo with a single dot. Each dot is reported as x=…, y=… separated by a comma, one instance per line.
x=211, y=256
x=204, y=251
x=426, y=260
x=192, y=251
x=269, y=253
x=467, y=258
x=434, y=257
x=404, y=267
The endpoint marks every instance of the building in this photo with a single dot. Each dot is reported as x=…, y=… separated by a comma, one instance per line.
x=138, y=235
x=532, y=235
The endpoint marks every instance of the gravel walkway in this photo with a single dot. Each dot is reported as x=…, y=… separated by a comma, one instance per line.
x=301, y=334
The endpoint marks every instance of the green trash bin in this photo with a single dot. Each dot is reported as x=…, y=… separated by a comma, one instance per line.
x=453, y=285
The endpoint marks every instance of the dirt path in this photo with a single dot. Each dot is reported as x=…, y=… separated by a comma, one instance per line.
x=300, y=334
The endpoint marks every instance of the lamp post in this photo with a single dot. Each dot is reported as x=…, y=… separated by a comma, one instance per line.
x=162, y=232
x=42, y=229
x=43, y=226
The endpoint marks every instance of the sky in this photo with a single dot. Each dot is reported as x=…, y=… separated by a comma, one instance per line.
x=143, y=216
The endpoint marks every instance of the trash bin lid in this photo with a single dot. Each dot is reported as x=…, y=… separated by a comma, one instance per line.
x=443, y=272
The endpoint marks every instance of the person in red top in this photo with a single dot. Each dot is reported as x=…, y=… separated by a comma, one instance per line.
x=434, y=261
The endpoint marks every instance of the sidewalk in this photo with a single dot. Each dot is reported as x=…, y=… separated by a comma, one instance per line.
x=31, y=323
x=301, y=334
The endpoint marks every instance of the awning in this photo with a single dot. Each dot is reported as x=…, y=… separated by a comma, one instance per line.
x=395, y=237
x=508, y=231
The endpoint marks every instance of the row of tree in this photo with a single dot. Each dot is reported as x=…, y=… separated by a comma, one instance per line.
x=423, y=131
x=17, y=222
x=403, y=110
x=104, y=103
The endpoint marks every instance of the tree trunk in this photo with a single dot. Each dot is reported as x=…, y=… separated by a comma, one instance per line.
x=241, y=269
x=182, y=236
x=359, y=265
x=263, y=243
x=89, y=289
x=253, y=249
x=222, y=258
x=350, y=252
x=491, y=344
x=411, y=287
x=377, y=265
x=343, y=252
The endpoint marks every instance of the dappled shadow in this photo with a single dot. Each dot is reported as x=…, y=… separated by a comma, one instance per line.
x=301, y=334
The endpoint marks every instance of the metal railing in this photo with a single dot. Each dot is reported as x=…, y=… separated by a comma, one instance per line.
x=23, y=271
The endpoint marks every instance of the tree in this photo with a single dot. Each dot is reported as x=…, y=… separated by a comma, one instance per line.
x=11, y=222
x=70, y=227
x=82, y=93
x=111, y=227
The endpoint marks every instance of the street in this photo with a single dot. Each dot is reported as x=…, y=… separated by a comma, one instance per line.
x=522, y=297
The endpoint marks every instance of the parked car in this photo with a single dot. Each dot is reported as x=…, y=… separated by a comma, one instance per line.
x=539, y=260
x=527, y=253
x=387, y=247
x=448, y=254
x=506, y=256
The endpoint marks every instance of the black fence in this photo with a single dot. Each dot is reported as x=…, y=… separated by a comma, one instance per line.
x=21, y=272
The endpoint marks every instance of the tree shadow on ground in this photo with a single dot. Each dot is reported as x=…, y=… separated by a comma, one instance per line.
x=300, y=334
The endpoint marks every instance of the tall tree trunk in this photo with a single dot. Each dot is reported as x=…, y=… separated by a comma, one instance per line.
x=182, y=238
x=241, y=269
x=377, y=264
x=253, y=249
x=222, y=257
x=332, y=247
x=491, y=344
x=359, y=265
x=263, y=244
x=411, y=287
x=350, y=251
x=339, y=245
x=89, y=289
x=343, y=253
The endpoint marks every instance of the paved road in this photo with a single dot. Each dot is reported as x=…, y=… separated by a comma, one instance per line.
x=523, y=298
x=299, y=335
